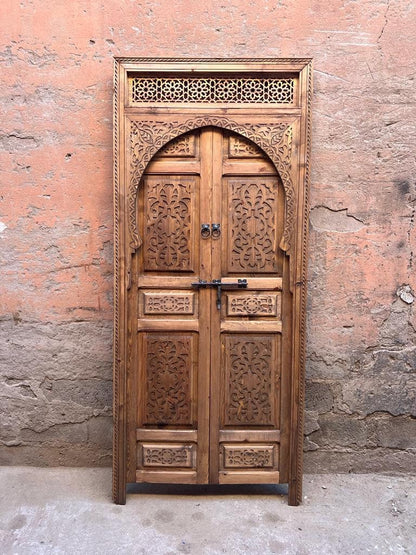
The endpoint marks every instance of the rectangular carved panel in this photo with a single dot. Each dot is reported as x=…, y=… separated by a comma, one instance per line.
x=203, y=90
x=182, y=147
x=250, y=387
x=169, y=374
x=253, y=305
x=169, y=455
x=242, y=148
x=169, y=217
x=169, y=303
x=249, y=456
x=252, y=226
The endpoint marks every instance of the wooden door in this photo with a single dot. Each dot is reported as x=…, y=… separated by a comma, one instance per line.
x=213, y=317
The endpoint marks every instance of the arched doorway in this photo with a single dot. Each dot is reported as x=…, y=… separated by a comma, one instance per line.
x=209, y=361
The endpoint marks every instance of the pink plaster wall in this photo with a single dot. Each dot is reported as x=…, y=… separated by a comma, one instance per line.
x=56, y=214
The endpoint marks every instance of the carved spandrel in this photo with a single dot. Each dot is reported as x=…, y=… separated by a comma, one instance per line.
x=242, y=456
x=169, y=303
x=169, y=235
x=252, y=228
x=253, y=305
x=169, y=377
x=249, y=379
x=181, y=456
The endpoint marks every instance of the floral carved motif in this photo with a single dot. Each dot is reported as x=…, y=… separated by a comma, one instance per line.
x=239, y=148
x=261, y=305
x=169, y=378
x=168, y=225
x=252, y=233
x=147, y=137
x=175, y=455
x=168, y=303
x=183, y=146
x=252, y=457
x=249, y=395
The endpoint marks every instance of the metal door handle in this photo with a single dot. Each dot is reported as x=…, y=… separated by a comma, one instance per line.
x=215, y=230
x=205, y=231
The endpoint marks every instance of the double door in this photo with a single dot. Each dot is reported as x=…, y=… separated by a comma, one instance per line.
x=210, y=331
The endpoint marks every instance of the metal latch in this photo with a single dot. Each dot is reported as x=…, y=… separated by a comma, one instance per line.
x=202, y=284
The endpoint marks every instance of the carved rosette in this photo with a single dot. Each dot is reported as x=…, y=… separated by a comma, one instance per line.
x=147, y=137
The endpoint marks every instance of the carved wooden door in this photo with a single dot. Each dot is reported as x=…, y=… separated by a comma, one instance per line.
x=211, y=173
x=211, y=300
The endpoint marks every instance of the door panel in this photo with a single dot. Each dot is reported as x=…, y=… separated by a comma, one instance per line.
x=172, y=350
x=170, y=366
x=209, y=377
x=172, y=215
x=250, y=214
x=250, y=381
x=246, y=332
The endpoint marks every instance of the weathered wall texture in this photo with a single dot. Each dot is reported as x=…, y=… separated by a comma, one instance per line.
x=56, y=214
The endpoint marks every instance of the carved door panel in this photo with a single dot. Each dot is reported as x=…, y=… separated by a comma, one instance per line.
x=209, y=359
x=173, y=319
x=246, y=367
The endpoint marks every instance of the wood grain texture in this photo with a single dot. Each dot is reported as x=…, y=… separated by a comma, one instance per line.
x=175, y=169
x=249, y=477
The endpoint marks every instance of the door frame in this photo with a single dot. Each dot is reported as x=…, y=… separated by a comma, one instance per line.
x=280, y=125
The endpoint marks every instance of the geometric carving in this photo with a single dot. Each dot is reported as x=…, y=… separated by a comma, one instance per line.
x=240, y=148
x=196, y=89
x=170, y=455
x=168, y=236
x=169, y=369
x=243, y=456
x=168, y=303
x=275, y=139
x=252, y=233
x=249, y=383
x=184, y=147
x=250, y=305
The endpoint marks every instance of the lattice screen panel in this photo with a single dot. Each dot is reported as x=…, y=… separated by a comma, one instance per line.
x=195, y=89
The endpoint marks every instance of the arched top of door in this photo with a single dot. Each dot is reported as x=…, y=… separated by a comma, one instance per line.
x=275, y=139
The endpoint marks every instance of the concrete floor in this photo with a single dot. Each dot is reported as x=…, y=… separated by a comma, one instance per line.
x=68, y=511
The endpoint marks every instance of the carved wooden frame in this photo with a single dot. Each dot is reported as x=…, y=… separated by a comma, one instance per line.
x=140, y=131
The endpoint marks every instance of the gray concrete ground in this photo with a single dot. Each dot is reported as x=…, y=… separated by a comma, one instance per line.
x=69, y=511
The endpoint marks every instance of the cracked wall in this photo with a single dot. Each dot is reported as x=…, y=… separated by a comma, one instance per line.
x=56, y=216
